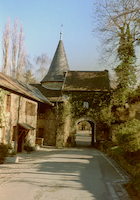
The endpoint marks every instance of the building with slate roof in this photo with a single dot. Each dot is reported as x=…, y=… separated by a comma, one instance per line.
x=60, y=79
x=56, y=86
x=19, y=111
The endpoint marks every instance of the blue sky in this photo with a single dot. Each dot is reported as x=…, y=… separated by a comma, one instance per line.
x=42, y=21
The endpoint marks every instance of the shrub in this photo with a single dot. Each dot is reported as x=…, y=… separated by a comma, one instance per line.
x=3, y=152
x=13, y=153
x=128, y=136
x=28, y=148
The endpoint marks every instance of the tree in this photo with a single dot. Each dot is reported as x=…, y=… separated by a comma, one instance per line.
x=116, y=23
x=14, y=47
x=6, y=46
x=125, y=71
x=109, y=17
x=29, y=77
x=43, y=61
x=21, y=59
x=14, y=50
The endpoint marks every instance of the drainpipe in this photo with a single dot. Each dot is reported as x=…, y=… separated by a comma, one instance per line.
x=65, y=75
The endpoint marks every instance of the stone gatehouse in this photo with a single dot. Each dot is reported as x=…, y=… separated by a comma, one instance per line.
x=57, y=124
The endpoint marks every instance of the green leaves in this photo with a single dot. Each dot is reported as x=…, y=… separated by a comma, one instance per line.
x=125, y=71
x=99, y=108
x=128, y=136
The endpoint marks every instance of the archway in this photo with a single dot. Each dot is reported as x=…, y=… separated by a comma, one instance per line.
x=92, y=123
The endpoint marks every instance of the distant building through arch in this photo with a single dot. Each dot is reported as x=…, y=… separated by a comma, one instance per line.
x=92, y=123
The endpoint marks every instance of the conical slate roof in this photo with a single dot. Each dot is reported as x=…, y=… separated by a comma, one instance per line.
x=58, y=66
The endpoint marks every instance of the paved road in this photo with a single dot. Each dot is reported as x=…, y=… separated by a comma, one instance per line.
x=83, y=138
x=63, y=174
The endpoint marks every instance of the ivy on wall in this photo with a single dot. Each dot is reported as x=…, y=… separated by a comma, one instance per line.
x=97, y=102
x=3, y=93
x=100, y=109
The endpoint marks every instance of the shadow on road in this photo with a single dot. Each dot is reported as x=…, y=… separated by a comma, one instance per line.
x=83, y=138
x=72, y=173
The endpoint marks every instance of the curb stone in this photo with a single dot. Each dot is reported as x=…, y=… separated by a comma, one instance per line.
x=116, y=188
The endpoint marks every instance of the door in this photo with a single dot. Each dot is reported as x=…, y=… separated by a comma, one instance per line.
x=20, y=141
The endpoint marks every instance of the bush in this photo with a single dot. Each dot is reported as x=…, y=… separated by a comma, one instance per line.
x=128, y=136
x=13, y=153
x=28, y=148
x=3, y=152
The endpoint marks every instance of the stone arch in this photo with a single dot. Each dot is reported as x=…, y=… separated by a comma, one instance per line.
x=92, y=123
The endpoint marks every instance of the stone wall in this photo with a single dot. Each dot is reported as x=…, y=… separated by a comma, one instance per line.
x=49, y=125
x=17, y=114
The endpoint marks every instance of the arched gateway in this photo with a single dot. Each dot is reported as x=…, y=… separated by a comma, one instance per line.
x=93, y=125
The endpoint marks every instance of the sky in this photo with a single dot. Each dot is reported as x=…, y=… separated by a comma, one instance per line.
x=42, y=20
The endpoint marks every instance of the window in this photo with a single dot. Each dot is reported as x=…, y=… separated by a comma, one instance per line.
x=30, y=109
x=41, y=111
x=8, y=103
x=85, y=105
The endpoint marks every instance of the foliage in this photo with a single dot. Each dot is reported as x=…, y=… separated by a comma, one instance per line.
x=120, y=96
x=3, y=93
x=29, y=77
x=107, y=116
x=99, y=106
x=13, y=153
x=134, y=96
x=65, y=125
x=128, y=136
x=3, y=152
x=96, y=100
x=28, y=148
x=133, y=187
x=126, y=69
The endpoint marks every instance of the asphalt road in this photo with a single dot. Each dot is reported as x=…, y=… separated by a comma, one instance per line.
x=68, y=174
x=83, y=138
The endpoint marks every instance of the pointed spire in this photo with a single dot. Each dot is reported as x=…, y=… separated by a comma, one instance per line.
x=61, y=32
x=59, y=64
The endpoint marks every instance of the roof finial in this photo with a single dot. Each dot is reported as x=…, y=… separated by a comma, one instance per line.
x=61, y=32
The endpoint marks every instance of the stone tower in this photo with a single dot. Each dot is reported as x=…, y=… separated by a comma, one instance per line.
x=58, y=68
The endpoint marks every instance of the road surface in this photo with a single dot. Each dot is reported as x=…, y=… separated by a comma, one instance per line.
x=83, y=138
x=64, y=174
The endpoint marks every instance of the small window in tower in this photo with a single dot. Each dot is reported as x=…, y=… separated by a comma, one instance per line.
x=85, y=105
